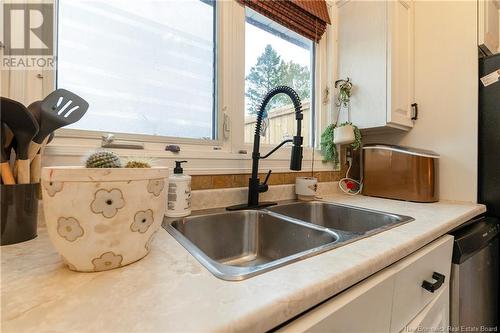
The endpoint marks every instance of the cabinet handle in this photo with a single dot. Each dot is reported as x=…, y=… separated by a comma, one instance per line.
x=433, y=286
x=414, y=108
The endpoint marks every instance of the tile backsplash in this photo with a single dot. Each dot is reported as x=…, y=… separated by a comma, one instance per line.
x=217, y=198
x=206, y=182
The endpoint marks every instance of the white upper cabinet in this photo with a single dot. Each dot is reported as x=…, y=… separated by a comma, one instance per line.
x=375, y=50
x=400, y=64
x=489, y=26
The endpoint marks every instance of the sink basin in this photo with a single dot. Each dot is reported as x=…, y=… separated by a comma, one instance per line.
x=339, y=217
x=237, y=245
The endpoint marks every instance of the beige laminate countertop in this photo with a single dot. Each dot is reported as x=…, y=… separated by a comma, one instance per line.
x=170, y=291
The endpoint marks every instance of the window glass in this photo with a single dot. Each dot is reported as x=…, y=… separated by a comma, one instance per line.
x=145, y=67
x=275, y=55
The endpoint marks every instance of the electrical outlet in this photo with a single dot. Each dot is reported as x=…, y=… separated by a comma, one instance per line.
x=348, y=155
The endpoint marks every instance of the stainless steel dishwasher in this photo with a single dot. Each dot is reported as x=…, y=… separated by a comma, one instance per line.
x=474, y=275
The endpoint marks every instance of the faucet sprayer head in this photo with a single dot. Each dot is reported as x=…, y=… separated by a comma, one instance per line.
x=296, y=156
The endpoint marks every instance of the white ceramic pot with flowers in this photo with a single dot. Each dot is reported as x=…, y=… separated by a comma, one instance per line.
x=103, y=218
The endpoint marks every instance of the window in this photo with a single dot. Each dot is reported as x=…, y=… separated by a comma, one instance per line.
x=145, y=67
x=191, y=73
x=275, y=55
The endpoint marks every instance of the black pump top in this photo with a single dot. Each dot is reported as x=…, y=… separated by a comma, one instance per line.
x=178, y=167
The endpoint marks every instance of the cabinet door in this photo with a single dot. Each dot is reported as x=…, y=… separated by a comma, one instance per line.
x=362, y=33
x=400, y=76
x=488, y=26
x=388, y=300
x=434, y=317
x=409, y=295
x=365, y=307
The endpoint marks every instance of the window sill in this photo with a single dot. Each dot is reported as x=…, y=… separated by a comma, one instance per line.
x=202, y=159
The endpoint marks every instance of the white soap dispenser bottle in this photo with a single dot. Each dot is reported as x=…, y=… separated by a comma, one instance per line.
x=179, y=192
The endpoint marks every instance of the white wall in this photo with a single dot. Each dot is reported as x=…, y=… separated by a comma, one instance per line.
x=446, y=78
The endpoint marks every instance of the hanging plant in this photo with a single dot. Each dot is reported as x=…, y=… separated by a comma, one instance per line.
x=357, y=135
x=344, y=133
x=329, y=148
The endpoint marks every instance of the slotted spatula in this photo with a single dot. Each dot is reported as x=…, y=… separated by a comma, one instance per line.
x=60, y=108
x=24, y=127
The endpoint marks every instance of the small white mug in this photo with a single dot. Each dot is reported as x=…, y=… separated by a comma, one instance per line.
x=306, y=188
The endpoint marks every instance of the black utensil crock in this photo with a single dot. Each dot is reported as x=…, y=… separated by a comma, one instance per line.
x=19, y=212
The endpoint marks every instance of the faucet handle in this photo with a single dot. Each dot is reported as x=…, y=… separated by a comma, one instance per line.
x=264, y=187
x=267, y=177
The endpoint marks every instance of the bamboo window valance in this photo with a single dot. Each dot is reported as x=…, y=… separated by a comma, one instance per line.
x=306, y=17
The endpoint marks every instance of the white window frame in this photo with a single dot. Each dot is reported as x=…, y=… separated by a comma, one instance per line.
x=224, y=154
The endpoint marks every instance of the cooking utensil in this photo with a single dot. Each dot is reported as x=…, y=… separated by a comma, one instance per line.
x=50, y=138
x=60, y=108
x=9, y=136
x=36, y=162
x=8, y=142
x=35, y=109
x=24, y=126
x=5, y=171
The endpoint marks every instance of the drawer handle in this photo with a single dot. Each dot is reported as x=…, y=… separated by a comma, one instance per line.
x=433, y=286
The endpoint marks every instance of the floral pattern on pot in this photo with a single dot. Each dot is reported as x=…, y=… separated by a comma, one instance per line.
x=106, y=261
x=68, y=264
x=53, y=187
x=107, y=202
x=142, y=221
x=69, y=228
x=155, y=186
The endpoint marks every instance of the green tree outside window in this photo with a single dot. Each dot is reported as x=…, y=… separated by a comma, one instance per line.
x=271, y=71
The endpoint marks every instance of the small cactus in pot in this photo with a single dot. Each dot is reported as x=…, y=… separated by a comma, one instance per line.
x=138, y=162
x=103, y=159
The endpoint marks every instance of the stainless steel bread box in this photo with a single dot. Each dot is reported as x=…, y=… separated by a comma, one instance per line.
x=401, y=173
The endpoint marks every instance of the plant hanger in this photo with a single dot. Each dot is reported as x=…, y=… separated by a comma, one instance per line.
x=343, y=98
x=329, y=138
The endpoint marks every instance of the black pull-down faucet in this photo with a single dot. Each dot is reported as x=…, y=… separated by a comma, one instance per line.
x=254, y=185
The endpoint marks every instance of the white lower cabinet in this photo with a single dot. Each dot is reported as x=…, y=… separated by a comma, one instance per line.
x=392, y=300
x=435, y=315
x=365, y=307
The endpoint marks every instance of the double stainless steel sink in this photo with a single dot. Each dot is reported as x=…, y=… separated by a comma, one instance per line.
x=239, y=244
